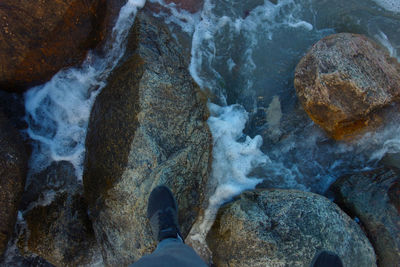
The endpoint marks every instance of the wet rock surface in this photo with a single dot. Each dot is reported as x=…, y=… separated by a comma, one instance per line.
x=56, y=225
x=38, y=38
x=13, y=167
x=374, y=198
x=344, y=81
x=189, y=5
x=285, y=228
x=147, y=127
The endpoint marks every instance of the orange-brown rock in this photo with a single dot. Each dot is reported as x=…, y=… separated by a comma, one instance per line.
x=344, y=81
x=38, y=38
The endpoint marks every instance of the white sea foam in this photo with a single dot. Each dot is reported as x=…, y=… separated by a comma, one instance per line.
x=233, y=160
x=391, y=5
x=235, y=155
x=261, y=21
x=58, y=111
x=186, y=20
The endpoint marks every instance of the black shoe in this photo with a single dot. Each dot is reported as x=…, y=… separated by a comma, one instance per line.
x=162, y=212
x=326, y=259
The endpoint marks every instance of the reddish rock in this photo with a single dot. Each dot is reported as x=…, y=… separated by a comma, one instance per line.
x=189, y=5
x=38, y=38
x=344, y=80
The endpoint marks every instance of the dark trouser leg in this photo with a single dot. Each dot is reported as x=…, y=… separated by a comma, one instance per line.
x=171, y=252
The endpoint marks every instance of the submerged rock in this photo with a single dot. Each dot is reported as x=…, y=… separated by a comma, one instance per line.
x=38, y=38
x=147, y=127
x=374, y=198
x=57, y=227
x=285, y=228
x=13, y=167
x=344, y=80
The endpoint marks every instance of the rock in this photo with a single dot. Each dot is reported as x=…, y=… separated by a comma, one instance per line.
x=147, y=127
x=374, y=198
x=13, y=167
x=285, y=228
x=189, y=5
x=58, y=228
x=344, y=80
x=59, y=176
x=38, y=38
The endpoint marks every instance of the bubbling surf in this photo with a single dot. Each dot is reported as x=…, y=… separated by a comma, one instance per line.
x=58, y=111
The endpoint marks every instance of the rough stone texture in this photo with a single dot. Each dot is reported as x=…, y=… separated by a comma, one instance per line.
x=147, y=127
x=58, y=228
x=13, y=166
x=189, y=5
x=285, y=228
x=344, y=80
x=38, y=38
x=374, y=197
x=59, y=176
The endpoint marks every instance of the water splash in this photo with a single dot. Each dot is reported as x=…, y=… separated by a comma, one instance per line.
x=58, y=111
x=246, y=52
x=234, y=157
x=185, y=20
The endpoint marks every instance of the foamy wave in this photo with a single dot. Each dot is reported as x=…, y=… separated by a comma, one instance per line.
x=217, y=35
x=184, y=19
x=58, y=111
x=233, y=161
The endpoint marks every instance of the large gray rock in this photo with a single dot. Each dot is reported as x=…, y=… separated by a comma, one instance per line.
x=13, y=167
x=147, y=127
x=374, y=197
x=344, y=80
x=56, y=225
x=285, y=228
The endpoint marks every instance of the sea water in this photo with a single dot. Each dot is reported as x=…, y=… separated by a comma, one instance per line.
x=58, y=112
x=244, y=53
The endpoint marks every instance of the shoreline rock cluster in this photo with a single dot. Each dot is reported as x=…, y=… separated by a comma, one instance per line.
x=148, y=126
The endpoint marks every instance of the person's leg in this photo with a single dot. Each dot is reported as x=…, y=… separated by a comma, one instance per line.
x=171, y=252
x=326, y=259
x=162, y=212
